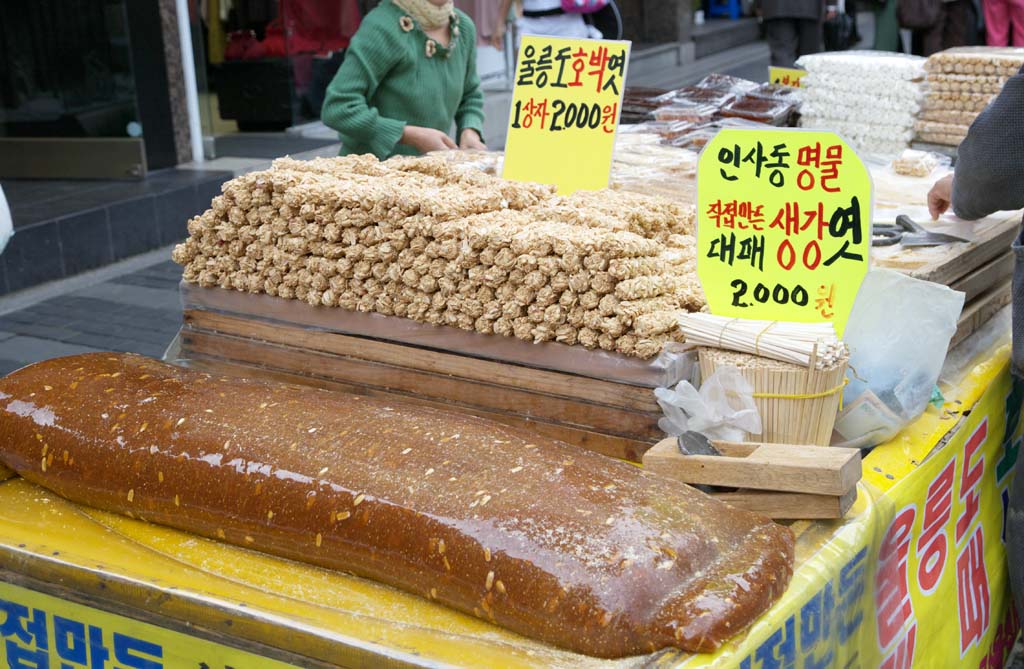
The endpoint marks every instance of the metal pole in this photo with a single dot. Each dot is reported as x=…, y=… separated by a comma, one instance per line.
x=188, y=67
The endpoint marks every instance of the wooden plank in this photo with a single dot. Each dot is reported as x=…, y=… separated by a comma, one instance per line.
x=790, y=506
x=981, y=280
x=989, y=246
x=605, y=444
x=400, y=355
x=778, y=467
x=599, y=418
x=978, y=312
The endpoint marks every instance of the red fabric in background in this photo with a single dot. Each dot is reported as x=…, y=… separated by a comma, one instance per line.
x=319, y=26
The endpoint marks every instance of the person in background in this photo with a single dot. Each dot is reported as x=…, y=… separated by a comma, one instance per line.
x=408, y=75
x=793, y=28
x=543, y=17
x=989, y=177
x=1004, y=22
x=954, y=24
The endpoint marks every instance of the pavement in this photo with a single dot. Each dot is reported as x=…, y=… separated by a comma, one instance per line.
x=131, y=306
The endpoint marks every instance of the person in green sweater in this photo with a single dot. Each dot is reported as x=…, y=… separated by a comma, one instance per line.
x=408, y=75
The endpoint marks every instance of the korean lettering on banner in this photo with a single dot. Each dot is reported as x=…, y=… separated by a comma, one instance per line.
x=34, y=639
x=973, y=597
x=565, y=112
x=830, y=618
x=895, y=620
x=784, y=225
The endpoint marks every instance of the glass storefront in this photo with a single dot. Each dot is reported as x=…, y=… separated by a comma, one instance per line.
x=67, y=75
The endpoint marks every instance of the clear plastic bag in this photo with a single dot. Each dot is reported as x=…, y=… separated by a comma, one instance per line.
x=898, y=334
x=723, y=408
x=760, y=110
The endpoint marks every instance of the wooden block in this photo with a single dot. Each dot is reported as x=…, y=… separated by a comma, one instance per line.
x=561, y=384
x=817, y=470
x=790, y=506
x=606, y=444
x=995, y=273
x=586, y=415
x=986, y=248
x=980, y=311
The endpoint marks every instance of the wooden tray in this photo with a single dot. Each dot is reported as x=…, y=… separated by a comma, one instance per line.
x=616, y=419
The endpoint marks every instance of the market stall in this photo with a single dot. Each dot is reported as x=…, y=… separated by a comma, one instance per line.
x=489, y=344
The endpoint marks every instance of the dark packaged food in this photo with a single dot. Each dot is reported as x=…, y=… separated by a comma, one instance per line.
x=704, y=96
x=695, y=140
x=686, y=112
x=772, y=112
x=725, y=82
x=776, y=92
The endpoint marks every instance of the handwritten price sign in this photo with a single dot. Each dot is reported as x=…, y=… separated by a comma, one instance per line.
x=784, y=225
x=565, y=112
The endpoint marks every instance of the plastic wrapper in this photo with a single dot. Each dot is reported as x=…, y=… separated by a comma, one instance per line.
x=686, y=112
x=722, y=409
x=759, y=110
x=663, y=370
x=870, y=98
x=893, y=376
x=941, y=138
x=867, y=66
x=950, y=116
x=664, y=130
x=935, y=128
x=970, y=102
x=553, y=542
x=977, y=60
x=769, y=91
x=703, y=96
x=965, y=83
x=726, y=82
x=918, y=163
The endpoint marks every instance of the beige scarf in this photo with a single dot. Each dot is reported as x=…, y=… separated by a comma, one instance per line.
x=428, y=15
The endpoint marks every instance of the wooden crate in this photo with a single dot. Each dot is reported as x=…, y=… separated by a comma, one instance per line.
x=612, y=418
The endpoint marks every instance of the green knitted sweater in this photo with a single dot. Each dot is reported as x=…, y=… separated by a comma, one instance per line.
x=387, y=81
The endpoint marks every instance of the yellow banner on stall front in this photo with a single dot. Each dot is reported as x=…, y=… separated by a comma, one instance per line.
x=916, y=574
x=565, y=112
x=42, y=631
x=783, y=225
x=786, y=76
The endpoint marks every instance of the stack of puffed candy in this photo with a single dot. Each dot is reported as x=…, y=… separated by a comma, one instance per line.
x=422, y=239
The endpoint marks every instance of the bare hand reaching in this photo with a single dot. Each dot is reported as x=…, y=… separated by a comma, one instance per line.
x=426, y=140
x=471, y=141
x=940, y=196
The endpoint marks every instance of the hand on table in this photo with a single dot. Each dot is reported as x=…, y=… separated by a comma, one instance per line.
x=470, y=141
x=426, y=140
x=940, y=196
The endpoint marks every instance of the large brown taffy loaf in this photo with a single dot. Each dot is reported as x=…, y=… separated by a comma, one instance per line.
x=555, y=543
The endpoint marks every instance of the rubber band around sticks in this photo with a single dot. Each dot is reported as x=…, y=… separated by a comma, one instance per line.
x=757, y=341
x=721, y=333
x=807, y=396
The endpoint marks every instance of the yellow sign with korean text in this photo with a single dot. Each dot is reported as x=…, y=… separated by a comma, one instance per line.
x=786, y=76
x=565, y=112
x=783, y=225
x=43, y=631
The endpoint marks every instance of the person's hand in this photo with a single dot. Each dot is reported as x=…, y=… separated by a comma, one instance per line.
x=940, y=196
x=470, y=141
x=426, y=140
x=498, y=36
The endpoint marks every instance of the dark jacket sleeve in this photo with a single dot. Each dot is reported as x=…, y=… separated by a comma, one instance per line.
x=989, y=173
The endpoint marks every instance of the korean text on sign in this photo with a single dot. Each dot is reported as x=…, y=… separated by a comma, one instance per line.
x=783, y=225
x=565, y=112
